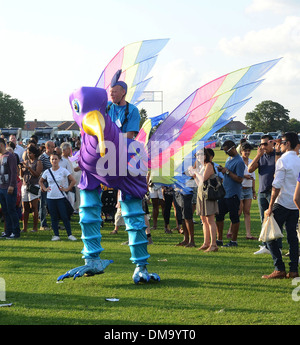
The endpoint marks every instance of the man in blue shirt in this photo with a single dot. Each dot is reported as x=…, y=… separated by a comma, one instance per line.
x=233, y=177
x=125, y=115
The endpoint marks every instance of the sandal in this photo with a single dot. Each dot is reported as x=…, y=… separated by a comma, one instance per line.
x=212, y=248
x=203, y=247
x=251, y=238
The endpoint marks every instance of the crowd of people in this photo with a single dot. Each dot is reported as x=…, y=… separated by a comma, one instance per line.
x=37, y=179
x=278, y=165
x=40, y=178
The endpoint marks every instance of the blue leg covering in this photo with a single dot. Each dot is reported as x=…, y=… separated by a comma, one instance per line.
x=90, y=222
x=133, y=214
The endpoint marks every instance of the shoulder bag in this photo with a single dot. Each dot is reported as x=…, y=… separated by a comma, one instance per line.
x=213, y=188
x=69, y=207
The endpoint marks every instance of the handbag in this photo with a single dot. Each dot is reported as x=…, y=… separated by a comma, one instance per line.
x=270, y=230
x=31, y=188
x=69, y=207
x=213, y=188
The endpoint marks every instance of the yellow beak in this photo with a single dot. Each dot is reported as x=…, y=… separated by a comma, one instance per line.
x=94, y=124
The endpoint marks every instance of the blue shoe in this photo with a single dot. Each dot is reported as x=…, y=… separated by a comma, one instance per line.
x=231, y=244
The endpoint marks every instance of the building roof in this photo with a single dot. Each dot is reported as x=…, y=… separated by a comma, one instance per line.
x=64, y=125
x=31, y=125
x=236, y=126
x=73, y=127
x=68, y=126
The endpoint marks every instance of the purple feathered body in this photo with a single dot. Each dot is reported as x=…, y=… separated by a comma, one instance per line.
x=111, y=170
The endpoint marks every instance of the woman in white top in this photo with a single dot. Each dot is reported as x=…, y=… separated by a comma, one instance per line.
x=55, y=198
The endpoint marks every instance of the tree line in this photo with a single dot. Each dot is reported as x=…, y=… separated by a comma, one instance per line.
x=12, y=112
x=269, y=116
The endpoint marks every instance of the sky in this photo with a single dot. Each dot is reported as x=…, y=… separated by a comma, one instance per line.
x=50, y=48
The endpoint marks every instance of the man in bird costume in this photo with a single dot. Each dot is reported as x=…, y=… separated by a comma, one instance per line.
x=103, y=148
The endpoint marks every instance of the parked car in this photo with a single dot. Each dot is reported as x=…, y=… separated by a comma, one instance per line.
x=219, y=137
x=237, y=138
x=225, y=138
x=254, y=139
x=273, y=134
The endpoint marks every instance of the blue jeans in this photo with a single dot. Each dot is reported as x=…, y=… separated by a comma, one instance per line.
x=43, y=208
x=57, y=210
x=263, y=200
x=290, y=218
x=8, y=204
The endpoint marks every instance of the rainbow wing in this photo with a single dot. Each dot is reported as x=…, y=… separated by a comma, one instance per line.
x=143, y=135
x=136, y=61
x=197, y=118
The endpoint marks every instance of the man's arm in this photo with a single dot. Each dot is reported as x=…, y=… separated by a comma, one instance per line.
x=297, y=195
x=12, y=166
x=254, y=164
x=278, y=182
x=274, y=195
x=232, y=175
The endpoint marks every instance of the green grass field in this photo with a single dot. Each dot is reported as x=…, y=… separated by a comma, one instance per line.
x=196, y=288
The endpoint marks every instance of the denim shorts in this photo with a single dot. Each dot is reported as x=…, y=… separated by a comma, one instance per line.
x=247, y=193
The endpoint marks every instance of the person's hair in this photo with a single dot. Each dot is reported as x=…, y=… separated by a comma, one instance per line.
x=2, y=141
x=34, y=137
x=211, y=152
x=56, y=154
x=65, y=145
x=246, y=146
x=33, y=149
x=32, y=141
x=267, y=136
x=292, y=137
x=11, y=144
x=243, y=141
x=228, y=144
x=207, y=156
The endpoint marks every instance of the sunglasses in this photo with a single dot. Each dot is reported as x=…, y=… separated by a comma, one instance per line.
x=229, y=149
x=283, y=142
x=263, y=144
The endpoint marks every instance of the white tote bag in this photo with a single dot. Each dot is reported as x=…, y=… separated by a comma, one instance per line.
x=270, y=230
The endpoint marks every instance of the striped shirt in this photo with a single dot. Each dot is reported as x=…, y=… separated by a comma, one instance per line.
x=45, y=159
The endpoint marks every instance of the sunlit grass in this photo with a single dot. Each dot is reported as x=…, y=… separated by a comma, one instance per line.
x=196, y=288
